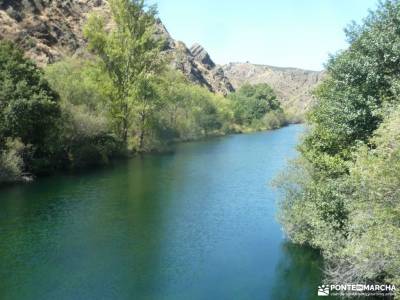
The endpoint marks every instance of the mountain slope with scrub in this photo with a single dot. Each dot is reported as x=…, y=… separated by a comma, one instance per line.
x=49, y=30
x=293, y=86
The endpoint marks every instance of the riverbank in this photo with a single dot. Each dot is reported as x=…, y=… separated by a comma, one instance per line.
x=29, y=178
x=73, y=115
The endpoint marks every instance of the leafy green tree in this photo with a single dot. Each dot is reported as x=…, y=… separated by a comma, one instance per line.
x=363, y=81
x=85, y=135
x=80, y=82
x=206, y=115
x=252, y=102
x=372, y=199
x=29, y=108
x=190, y=111
x=341, y=195
x=130, y=53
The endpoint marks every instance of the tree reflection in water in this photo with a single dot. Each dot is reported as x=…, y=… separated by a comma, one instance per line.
x=298, y=273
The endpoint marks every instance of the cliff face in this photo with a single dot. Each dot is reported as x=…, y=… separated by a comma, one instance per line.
x=51, y=29
x=293, y=86
x=196, y=64
x=46, y=29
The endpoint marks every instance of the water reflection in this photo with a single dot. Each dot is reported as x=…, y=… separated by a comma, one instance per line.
x=298, y=273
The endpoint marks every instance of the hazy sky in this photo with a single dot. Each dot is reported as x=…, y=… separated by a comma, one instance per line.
x=287, y=33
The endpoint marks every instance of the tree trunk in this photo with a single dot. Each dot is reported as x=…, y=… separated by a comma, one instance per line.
x=141, y=134
x=124, y=129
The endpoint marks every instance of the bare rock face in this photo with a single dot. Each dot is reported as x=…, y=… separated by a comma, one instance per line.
x=195, y=63
x=202, y=56
x=46, y=29
x=49, y=30
x=293, y=86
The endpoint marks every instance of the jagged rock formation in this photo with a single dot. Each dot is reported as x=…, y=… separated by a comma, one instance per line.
x=195, y=63
x=293, y=86
x=201, y=55
x=214, y=75
x=51, y=29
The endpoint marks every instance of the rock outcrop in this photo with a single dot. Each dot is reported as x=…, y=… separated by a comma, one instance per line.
x=202, y=56
x=46, y=29
x=293, y=86
x=50, y=29
x=195, y=63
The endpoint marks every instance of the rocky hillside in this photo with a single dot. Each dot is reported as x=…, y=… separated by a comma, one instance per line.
x=196, y=64
x=293, y=86
x=46, y=29
x=51, y=29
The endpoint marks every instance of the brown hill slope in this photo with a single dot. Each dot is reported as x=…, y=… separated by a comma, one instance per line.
x=293, y=86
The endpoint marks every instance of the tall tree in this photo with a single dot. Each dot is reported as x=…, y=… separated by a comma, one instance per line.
x=130, y=52
x=29, y=108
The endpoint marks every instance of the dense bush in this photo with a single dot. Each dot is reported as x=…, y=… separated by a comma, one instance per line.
x=252, y=102
x=86, y=135
x=342, y=194
x=255, y=107
x=371, y=194
x=11, y=162
x=29, y=108
x=188, y=112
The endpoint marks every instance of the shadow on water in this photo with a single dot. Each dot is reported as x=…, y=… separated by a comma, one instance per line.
x=298, y=273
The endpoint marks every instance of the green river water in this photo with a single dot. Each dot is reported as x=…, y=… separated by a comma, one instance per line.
x=198, y=223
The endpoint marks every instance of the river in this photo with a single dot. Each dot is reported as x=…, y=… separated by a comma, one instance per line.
x=198, y=223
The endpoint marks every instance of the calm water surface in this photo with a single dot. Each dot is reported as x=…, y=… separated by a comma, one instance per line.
x=195, y=224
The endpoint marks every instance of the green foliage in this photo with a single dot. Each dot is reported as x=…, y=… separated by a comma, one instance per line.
x=342, y=194
x=80, y=82
x=273, y=120
x=188, y=112
x=373, y=230
x=252, y=102
x=11, y=162
x=362, y=82
x=124, y=97
x=29, y=108
x=131, y=56
x=85, y=136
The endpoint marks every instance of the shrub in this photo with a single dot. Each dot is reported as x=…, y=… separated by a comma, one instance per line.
x=86, y=138
x=252, y=102
x=11, y=162
x=28, y=106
